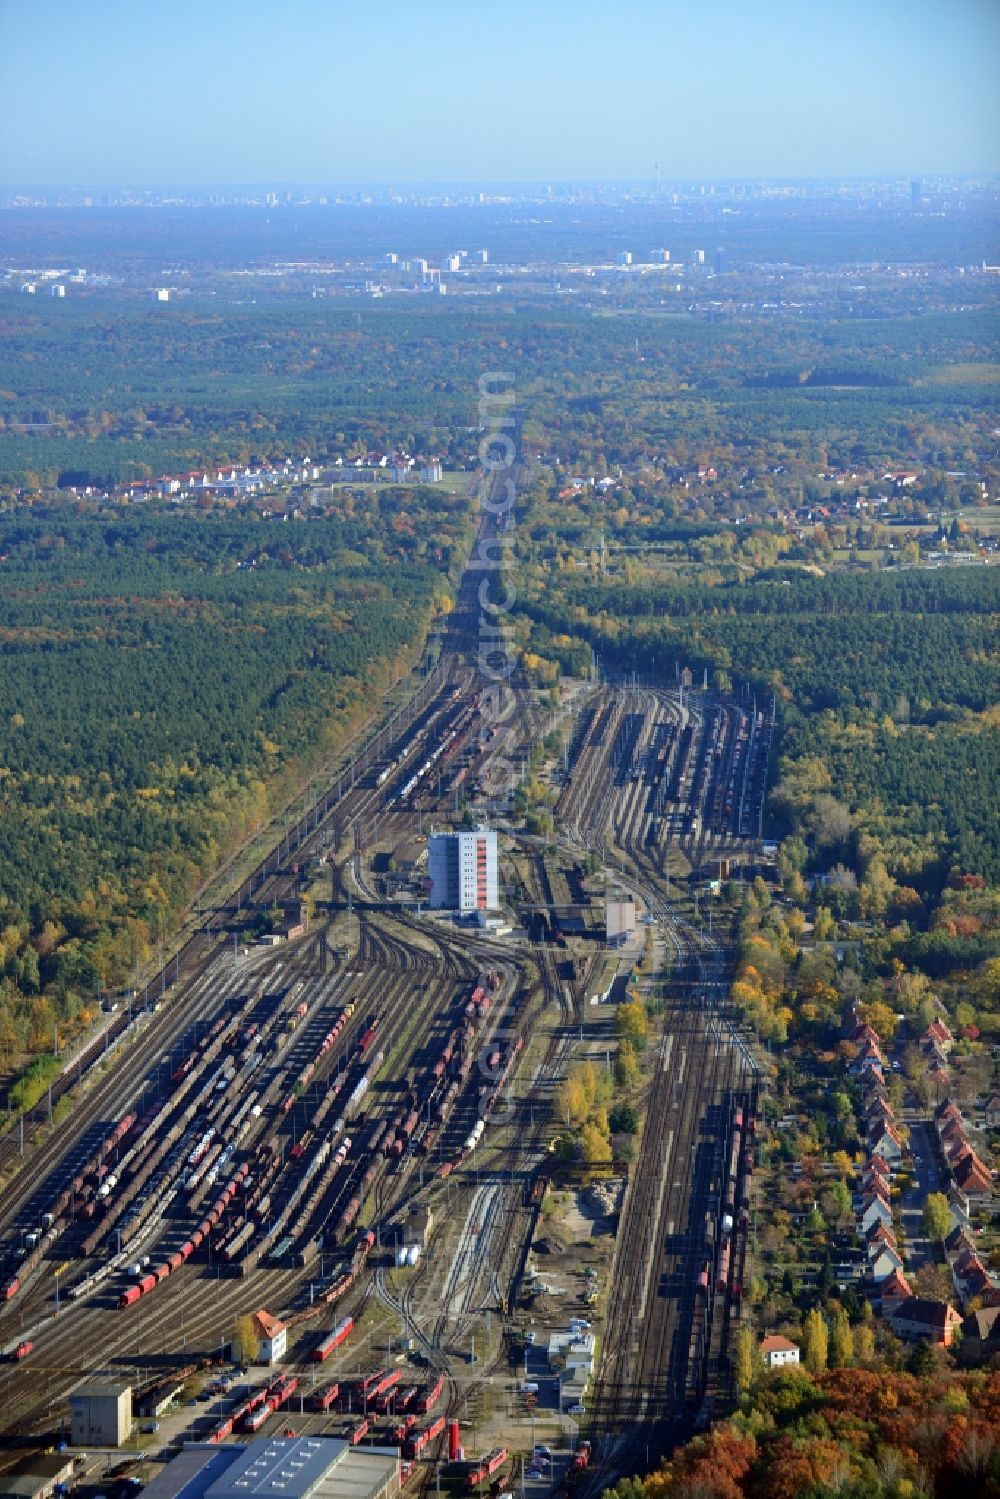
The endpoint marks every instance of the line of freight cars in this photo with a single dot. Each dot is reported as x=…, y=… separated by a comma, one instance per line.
x=441, y=753
x=329, y=1041
x=132, y=1294
x=84, y=1190
x=341, y=1284
x=486, y=1467
x=156, y=1147
x=486, y=1103
x=309, y=1245
x=249, y=1417
x=424, y=1113
x=211, y=1154
x=723, y=1249
x=416, y=733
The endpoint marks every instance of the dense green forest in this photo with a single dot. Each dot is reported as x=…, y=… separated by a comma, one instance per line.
x=168, y=679
x=99, y=391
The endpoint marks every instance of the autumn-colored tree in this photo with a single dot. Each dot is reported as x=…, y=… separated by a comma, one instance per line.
x=746, y=1355
x=246, y=1345
x=626, y=1066
x=632, y=1022
x=864, y=1344
x=824, y=926
x=570, y=1102
x=841, y=1339
x=815, y=1342
x=595, y=1147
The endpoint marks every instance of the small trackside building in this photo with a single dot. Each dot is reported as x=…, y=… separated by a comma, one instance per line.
x=101, y=1413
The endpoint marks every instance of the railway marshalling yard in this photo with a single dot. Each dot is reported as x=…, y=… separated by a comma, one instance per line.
x=260, y=1138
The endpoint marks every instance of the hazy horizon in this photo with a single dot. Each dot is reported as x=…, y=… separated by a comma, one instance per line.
x=256, y=93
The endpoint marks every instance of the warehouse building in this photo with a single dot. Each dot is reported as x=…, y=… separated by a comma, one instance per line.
x=619, y=923
x=279, y=1468
x=37, y=1477
x=101, y=1413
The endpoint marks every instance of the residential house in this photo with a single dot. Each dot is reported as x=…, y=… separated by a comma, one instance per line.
x=886, y=1140
x=883, y=1261
x=880, y=1233
x=981, y=1335
x=895, y=1287
x=874, y=1209
x=778, y=1351
x=874, y=1185
x=973, y=1176
x=959, y=1205
x=919, y=1317
x=970, y=1276
x=959, y=1241
x=938, y=1035
x=992, y=1112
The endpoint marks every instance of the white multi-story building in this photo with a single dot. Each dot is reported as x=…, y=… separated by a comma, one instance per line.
x=463, y=871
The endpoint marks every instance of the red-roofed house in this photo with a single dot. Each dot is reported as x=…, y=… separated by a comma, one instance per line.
x=880, y=1233
x=938, y=1033
x=895, y=1287
x=778, y=1351
x=874, y=1209
x=973, y=1177
x=885, y=1139
x=882, y=1261
x=918, y=1317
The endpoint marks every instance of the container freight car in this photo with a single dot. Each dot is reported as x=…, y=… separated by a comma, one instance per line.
x=429, y=1396
x=415, y=1444
x=332, y=1340
x=486, y=1468
x=323, y=1399
x=252, y=1421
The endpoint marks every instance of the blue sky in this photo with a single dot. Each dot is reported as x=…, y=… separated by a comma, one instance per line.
x=318, y=91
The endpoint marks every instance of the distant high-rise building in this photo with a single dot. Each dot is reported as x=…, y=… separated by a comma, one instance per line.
x=463, y=871
x=625, y=258
x=915, y=191
x=58, y=290
x=453, y=262
x=163, y=294
x=719, y=261
x=392, y=258
x=420, y=266
x=483, y=257
x=663, y=256
x=699, y=257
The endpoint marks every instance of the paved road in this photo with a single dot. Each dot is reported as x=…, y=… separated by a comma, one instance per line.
x=926, y=1179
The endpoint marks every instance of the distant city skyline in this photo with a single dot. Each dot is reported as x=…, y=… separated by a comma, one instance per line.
x=246, y=92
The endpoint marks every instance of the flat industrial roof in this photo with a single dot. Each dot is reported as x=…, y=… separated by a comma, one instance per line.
x=189, y=1474
x=101, y=1389
x=277, y=1468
